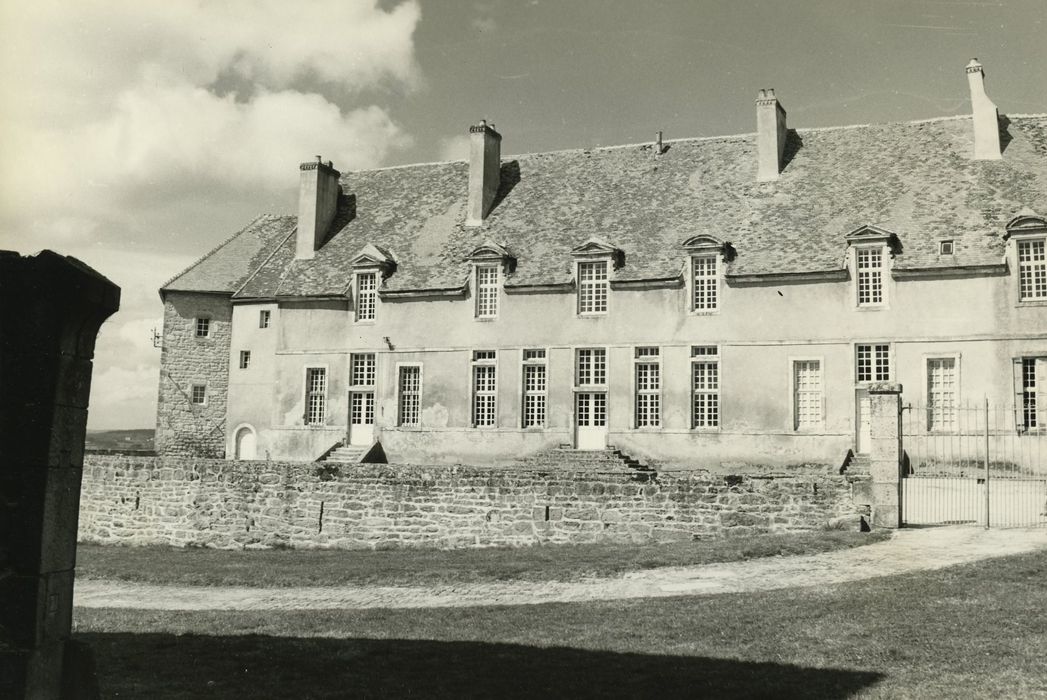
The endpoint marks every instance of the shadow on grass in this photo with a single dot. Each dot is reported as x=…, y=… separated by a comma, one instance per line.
x=256, y=666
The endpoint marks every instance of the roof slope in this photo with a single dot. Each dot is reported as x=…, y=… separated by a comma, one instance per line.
x=228, y=266
x=914, y=179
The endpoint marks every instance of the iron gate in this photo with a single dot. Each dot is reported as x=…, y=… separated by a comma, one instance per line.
x=972, y=464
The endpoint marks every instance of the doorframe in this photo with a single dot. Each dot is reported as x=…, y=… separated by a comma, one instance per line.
x=574, y=413
x=349, y=423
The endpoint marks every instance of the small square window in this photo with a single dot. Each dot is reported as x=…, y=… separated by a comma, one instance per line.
x=264, y=318
x=245, y=359
x=945, y=247
x=199, y=394
x=203, y=327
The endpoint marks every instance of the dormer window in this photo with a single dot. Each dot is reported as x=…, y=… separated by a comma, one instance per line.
x=1029, y=231
x=370, y=266
x=871, y=251
x=490, y=262
x=705, y=265
x=593, y=286
x=595, y=260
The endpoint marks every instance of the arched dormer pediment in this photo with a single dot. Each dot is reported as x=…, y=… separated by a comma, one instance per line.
x=599, y=248
x=371, y=257
x=1027, y=221
x=870, y=234
x=491, y=252
x=705, y=243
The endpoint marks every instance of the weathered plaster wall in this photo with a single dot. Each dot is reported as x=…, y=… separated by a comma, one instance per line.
x=184, y=428
x=178, y=501
x=760, y=330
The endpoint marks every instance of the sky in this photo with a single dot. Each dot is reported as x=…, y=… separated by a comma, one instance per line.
x=138, y=135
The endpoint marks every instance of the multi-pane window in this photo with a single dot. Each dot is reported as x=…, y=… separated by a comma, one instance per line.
x=315, y=395
x=534, y=388
x=362, y=369
x=590, y=367
x=706, y=281
x=366, y=295
x=705, y=386
x=1029, y=388
x=874, y=362
x=265, y=317
x=203, y=327
x=484, y=389
x=1032, y=269
x=410, y=396
x=941, y=393
x=245, y=359
x=486, y=291
x=199, y=394
x=807, y=394
x=648, y=412
x=869, y=265
x=592, y=287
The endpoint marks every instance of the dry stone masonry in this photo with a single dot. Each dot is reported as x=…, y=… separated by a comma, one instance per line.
x=226, y=504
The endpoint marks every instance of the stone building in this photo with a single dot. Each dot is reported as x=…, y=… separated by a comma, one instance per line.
x=693, y=301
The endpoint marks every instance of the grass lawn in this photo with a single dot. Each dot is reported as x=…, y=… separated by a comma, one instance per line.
x=975, y=631
x=273, y=568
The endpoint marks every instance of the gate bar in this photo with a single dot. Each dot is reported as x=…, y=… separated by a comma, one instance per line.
x=986, y=462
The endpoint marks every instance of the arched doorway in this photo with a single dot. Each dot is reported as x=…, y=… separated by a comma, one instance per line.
x=246, y=443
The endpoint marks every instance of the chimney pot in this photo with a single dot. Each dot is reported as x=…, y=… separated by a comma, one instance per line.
x=771, y=132
x=985, y=116
x=485, y=153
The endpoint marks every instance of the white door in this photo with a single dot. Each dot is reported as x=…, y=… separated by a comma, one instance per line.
x=590, y=413
x=361, y=418
x=246, y=444
x=863, y=417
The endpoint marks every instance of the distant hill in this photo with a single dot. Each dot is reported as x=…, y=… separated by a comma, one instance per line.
x=140, y=440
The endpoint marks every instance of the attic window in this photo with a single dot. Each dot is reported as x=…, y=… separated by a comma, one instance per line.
x=592, y=287
x=945, y=247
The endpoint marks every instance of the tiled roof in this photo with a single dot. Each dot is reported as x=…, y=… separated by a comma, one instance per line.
x=227, y=267
x=914, y=179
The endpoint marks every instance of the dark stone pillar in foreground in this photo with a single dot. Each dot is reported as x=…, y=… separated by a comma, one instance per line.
x=51, y=308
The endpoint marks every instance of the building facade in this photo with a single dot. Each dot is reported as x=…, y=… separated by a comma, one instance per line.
x=696, y=301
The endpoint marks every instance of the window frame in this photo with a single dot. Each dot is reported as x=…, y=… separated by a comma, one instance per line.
x=709, y=359
x=881, y=272
x=372, y=294
x=576, y=374
x=491, y=288
x=202, y=322
x=604, y=284
x=928, y=421
x=192, y=394
x=541, y=396
x=717, y=281
x=489, y=366
x=265, y=318
x=369, y=361
x=400, y=394
x=873, y=346
x=654, y=396
x=308, y=392
x=245, y=359
x=1033, y=265
x=794, y=395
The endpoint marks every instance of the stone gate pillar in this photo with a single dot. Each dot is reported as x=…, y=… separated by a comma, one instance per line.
x=51, y=308
x=885, y=454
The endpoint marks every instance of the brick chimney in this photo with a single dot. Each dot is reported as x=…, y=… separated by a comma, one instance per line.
x=317, y=203
x=770, y=135
x=485, y=155
x=986, y=116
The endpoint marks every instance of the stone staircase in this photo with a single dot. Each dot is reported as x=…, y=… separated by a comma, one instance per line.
x=347, y=454
x=566, y=458
x=855, y=464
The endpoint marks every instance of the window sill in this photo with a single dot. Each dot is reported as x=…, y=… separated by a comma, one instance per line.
x=706, y=431
x=370, y=322
x=704, y=312
x=485, y=319
x=1031, y=302
x=872, y=307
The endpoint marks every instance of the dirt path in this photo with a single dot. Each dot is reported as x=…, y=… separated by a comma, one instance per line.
x=909, y=550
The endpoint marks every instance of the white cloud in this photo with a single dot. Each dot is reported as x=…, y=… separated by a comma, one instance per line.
x=454, y=148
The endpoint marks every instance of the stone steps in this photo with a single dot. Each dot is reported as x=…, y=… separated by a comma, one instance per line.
x=348, y=455
x=569, y=459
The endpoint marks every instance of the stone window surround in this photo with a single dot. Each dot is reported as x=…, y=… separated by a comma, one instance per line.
x=400, y=366
x=535, y=361
x=654, y=415
x=202, y=326
x=796, y=426
x=706, y=358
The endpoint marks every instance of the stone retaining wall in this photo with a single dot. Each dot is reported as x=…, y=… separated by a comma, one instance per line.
x=218, y=503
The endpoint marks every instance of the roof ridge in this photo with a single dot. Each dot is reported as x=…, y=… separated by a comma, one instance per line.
x=276, y=249
x=692, y=139
x=218, y=247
